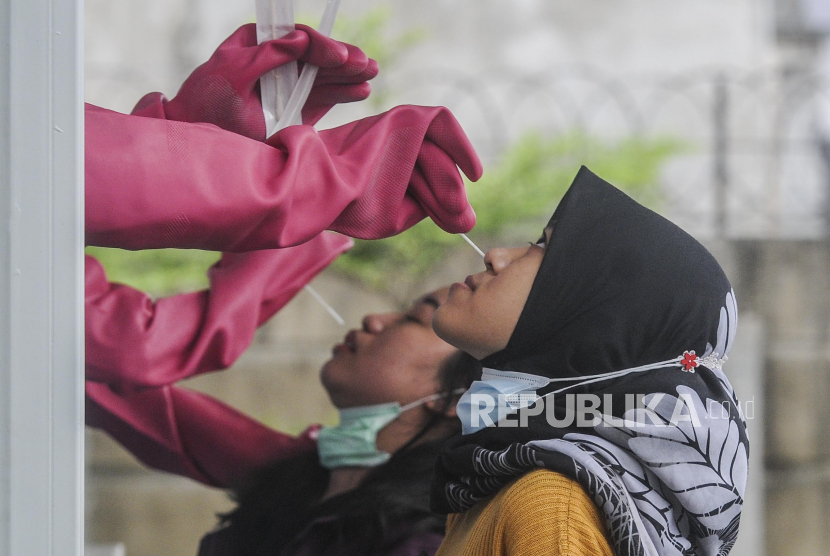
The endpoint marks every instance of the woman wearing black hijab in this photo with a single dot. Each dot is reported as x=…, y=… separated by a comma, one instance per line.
x=617, y=304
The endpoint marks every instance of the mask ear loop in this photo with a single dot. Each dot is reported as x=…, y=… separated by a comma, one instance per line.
x=615, y=374
x=432, y=397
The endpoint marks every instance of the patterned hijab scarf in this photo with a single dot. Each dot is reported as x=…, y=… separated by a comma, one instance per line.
x=620, y=288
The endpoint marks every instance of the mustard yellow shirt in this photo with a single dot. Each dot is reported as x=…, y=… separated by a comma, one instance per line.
x=542, y=512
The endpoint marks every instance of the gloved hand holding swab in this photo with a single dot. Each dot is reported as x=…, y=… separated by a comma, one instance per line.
x=277, y=16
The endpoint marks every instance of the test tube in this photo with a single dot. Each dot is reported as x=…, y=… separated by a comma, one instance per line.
x=293, y=111
x=274, y=20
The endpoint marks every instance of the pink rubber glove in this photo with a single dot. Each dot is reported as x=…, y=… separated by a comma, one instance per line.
x=191, y=434
x=224, y=91
x=133, y=342
x=152, y=183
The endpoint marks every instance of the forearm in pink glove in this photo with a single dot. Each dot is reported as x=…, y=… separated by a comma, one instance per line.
x=224, y=91
x=153, y=183
x=134, y=342
x=188, y=433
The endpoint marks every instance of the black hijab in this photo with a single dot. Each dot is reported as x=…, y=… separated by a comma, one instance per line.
x=620, y=287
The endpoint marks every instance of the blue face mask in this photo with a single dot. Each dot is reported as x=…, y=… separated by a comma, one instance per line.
x=496, y=395
x=353, y=443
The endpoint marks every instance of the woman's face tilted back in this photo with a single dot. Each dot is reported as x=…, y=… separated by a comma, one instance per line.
x=480, y=314
x=392, y=357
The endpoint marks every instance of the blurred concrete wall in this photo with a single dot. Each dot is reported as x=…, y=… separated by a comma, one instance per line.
x=783, y=292
x=475, y=53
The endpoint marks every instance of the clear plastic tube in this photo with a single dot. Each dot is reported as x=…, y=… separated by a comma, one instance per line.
x=293, y=111
x=274, y=20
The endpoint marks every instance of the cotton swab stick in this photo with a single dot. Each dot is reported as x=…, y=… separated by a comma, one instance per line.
x=334, y=314
x=473, y=245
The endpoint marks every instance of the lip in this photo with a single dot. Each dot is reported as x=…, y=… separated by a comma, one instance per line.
x=340, y=348
x=470, y=282
x=348, y=345
x=460, y=286
x=350, y=341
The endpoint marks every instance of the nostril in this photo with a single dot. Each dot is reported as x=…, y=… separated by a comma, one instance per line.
x=495, y=260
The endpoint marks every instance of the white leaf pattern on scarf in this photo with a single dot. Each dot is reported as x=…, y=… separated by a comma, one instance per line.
x=702, y=469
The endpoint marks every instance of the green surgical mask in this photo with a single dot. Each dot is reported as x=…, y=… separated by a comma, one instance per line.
x=353, y=443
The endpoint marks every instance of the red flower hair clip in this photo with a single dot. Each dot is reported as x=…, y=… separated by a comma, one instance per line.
x=690, y=361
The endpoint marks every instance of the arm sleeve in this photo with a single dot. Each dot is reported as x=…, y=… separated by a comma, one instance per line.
x=133, y=341
x=188, y=433
x=551, y=514
x=154, y=183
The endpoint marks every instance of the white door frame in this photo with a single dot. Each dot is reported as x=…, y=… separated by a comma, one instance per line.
x=41, y=278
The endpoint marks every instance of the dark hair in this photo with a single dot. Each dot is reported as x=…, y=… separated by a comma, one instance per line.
x=391, y=503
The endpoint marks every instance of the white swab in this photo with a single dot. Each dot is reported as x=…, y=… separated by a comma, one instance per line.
x=334, y=314
x=473, y=245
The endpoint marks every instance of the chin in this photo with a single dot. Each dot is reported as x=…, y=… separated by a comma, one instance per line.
x=442, y=325
x=338, y=376
x=453, y=327
x=328, y=375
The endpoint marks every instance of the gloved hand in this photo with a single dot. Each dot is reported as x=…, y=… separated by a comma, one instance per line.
x=224, y=91
x=406, y=170
x=153, y=184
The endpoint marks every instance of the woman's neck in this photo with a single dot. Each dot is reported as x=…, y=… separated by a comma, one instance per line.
x=344, y=479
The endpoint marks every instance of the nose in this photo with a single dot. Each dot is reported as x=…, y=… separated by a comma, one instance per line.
x=499, y=258
x=376, y=323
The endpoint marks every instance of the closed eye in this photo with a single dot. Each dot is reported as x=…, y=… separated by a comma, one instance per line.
x=543, y=241
x=422, y=311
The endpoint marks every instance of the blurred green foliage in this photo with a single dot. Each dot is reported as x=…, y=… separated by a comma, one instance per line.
x=519, y=192
x=158, y=272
